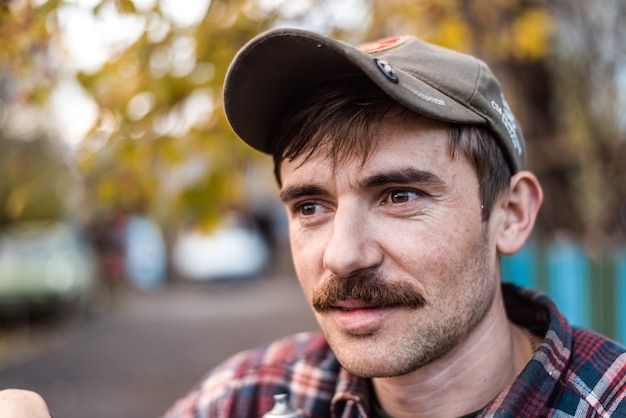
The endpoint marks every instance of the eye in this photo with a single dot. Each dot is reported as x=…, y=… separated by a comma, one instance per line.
x=308, y=209
x=402, y=196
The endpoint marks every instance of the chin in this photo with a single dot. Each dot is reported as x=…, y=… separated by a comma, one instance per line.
x=367, y=359
x=377, y=356
x=368, y=369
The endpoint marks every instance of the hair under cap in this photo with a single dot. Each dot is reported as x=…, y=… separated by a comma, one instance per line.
x=269, y=74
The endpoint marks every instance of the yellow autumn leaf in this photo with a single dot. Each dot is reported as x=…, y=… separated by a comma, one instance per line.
x=531, y=34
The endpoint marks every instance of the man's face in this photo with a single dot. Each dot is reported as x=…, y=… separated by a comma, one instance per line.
x=392, y=254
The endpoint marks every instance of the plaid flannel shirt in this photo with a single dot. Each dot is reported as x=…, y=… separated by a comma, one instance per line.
x=574, y=373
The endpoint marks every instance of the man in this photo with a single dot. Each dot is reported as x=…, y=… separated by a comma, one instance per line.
x=403, y=173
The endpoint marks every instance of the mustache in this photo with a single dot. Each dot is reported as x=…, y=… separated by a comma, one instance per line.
x=366, y=287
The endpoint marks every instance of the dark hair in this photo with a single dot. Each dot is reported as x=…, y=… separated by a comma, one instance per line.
x=352, y=108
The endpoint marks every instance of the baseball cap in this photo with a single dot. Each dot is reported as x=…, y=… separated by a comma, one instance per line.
x=270, y=72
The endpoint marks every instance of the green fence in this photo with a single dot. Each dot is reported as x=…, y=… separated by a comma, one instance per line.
x=589, y=290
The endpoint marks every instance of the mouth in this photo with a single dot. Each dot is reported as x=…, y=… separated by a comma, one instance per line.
x=351, y=306
x=357, y=318
x=364, y=292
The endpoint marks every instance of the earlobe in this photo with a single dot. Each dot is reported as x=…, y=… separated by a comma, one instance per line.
x=519, y=207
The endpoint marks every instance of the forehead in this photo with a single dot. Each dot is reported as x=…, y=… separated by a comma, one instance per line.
x=416, y=142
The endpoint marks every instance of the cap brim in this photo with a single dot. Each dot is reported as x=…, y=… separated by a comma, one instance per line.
x=271, y=71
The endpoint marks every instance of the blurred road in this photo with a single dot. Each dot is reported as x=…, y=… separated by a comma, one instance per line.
x=147, y=351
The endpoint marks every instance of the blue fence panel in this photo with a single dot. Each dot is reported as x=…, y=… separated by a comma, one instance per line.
x=591, y=294
x=568, y=281
x=521, y=268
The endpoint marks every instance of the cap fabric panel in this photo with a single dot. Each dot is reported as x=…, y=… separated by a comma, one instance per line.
x=267, y=77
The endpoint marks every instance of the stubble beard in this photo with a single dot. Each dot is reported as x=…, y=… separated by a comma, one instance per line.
x=438, y=331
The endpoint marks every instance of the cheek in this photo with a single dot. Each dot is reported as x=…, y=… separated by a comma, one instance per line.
x=434, y=243
x=307, y=254
x=442, y=256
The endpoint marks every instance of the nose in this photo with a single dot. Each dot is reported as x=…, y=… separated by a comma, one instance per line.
x=352, y=245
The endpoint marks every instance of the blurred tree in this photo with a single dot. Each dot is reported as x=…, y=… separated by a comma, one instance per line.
x=26, y=75
x=37, y=183
x=158, y=145
x=588, y=69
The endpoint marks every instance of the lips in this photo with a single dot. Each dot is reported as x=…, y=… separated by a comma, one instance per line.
x=352, y=305
x=357, y=318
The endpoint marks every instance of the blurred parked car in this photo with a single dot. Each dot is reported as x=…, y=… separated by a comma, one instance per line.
x=44, y=265
x=234, y=250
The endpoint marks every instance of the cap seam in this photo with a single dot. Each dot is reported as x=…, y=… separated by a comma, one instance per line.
x=476, y=82
x=484, y=114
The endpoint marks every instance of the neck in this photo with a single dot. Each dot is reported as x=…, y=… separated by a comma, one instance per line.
x=464, y=380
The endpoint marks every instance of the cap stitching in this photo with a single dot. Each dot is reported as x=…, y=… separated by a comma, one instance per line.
x=477, y=81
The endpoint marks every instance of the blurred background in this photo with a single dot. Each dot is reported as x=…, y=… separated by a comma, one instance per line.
x=140, y=243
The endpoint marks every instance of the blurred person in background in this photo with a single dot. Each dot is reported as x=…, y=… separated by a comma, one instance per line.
x=403, y=173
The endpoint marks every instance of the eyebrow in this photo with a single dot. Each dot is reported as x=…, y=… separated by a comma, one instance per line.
x=298, y=191
x=407, y=175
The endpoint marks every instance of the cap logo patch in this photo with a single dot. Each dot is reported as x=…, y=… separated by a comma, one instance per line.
x=383, y=44
x=508, y=120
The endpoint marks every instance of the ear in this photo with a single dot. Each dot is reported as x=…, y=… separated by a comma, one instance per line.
x=518, y=207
